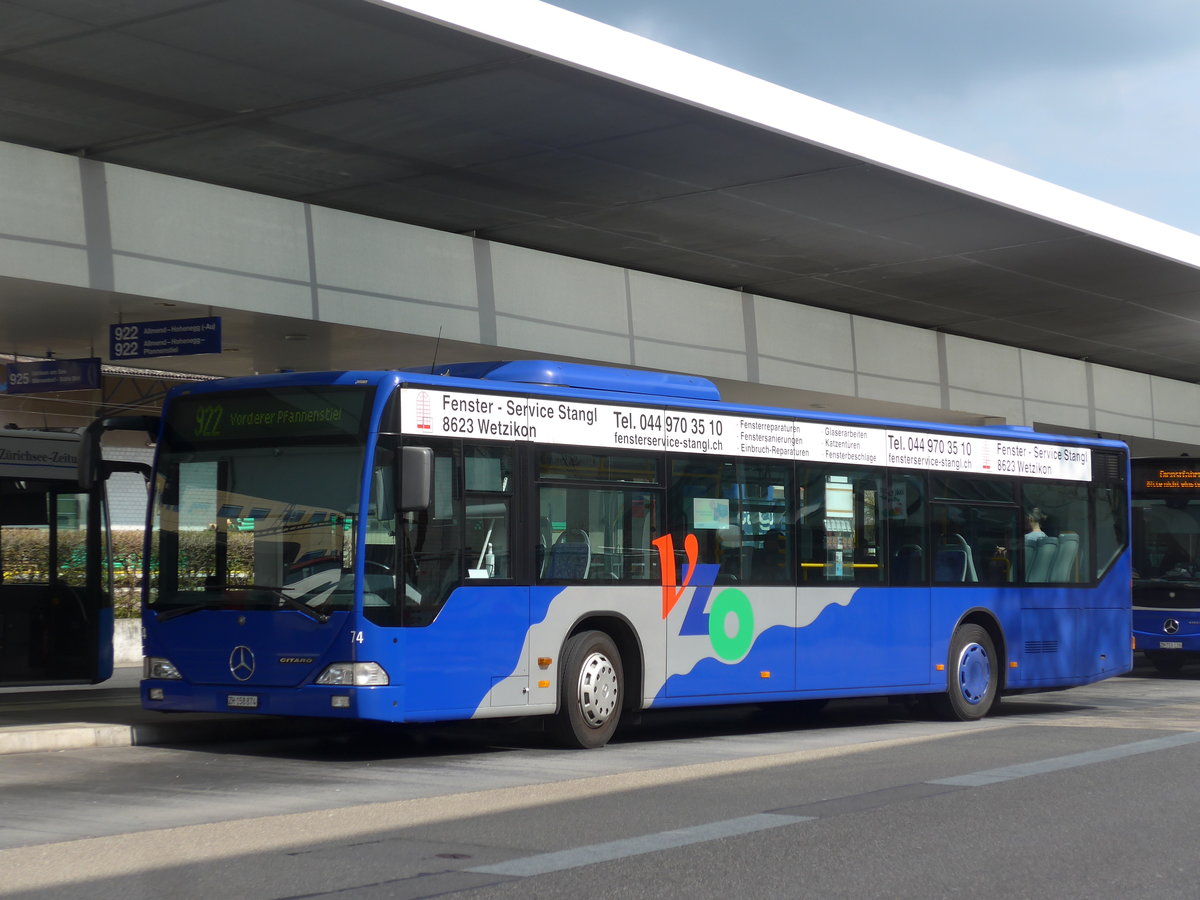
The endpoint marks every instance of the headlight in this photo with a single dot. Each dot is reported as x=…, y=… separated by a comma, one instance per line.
x=158, y=667
x=357, y=673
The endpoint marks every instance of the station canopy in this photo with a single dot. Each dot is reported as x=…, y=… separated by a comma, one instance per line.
x=524, y=124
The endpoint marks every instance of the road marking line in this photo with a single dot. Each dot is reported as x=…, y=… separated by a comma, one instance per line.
x=1071, y=761
x=41, y=866
x=544, y=863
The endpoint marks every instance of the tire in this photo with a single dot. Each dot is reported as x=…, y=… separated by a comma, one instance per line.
x=1167, y=662
x=591, y=688
x=972, y=676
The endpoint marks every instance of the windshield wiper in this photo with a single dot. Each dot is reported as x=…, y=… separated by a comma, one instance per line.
x=165, y=614
x=290, y=602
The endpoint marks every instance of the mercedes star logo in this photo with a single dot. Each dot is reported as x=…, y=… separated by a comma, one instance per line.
x=241, y=662
x=1171, y=626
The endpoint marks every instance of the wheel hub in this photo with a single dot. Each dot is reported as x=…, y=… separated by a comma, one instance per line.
x=597, y=689
x=974, y=673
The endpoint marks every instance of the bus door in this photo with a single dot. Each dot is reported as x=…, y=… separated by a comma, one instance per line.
x=731, y=629
x=863, y=606
x=56, y=619
x=463, y=617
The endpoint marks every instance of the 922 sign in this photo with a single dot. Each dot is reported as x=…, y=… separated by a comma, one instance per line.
x=172, y=337
x=126, y=341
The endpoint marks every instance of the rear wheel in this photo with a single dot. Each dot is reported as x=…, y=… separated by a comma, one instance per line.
x=972, y=675
x=590, y=691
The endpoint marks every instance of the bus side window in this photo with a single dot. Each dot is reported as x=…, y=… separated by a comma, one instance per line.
x=1111, y=528
x=1056, y=520
x=974, y=544
x=840, y=525
x=487, y=476
x=975, y=531
x=906, y=513
x=380, y=561
x=430, y=542
x=598, y=517
x=739, y=513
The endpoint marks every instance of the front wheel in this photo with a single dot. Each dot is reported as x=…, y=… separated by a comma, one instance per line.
x=590, y=689
x=972, y=675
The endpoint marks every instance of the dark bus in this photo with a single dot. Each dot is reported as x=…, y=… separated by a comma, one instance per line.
x=1166, y=560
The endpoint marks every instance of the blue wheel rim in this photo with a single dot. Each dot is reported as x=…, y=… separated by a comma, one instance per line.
x=974, y=673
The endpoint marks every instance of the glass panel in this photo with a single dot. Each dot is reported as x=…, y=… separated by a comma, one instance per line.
x=1111, y=529
x=488, y=477
x=26, y=554
x=973, y=544
x=1166, y=545
x=380, y=563
x=581, y=466
x=71, y=537
x=431, y=542
x=906, y=512
x=738, y=512
x=272, y=525
x=1057, y=524
x=25, y=539
x=840, y=534
x=597, y=534
x=973, y=490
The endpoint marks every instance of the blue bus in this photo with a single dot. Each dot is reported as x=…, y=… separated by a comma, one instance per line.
x=1165, y=493
x=578, y=542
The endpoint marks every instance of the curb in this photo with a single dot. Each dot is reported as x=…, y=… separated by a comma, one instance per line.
x=64, y=736
x=90, y=735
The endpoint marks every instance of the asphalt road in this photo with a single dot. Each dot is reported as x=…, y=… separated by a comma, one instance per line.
x=1082, y=793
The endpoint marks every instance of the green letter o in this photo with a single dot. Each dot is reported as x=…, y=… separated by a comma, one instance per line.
x=731, y=600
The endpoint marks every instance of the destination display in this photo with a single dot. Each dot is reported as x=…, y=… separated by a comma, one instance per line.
x=553, y=421
x=1157, y=478
x=270, y=416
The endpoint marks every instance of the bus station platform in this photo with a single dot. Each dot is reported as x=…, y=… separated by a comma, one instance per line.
x=73, y=717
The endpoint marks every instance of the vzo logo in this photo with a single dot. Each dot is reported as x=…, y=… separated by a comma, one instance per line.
x=728, y=603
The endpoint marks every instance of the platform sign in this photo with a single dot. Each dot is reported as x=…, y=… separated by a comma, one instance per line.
x=173, y=337
x=46, y=375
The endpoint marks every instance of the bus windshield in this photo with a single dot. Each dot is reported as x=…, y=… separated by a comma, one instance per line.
x=1167, y=551
x=255, y=511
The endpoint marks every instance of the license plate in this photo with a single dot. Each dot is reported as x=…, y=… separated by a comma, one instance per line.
x=1170, y=645
x=242, y=701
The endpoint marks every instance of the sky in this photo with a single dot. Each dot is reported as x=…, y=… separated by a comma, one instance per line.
x=1099, y=96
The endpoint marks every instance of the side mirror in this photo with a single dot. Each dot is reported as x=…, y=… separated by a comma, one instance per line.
x=89, y=445
x=416, y=478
